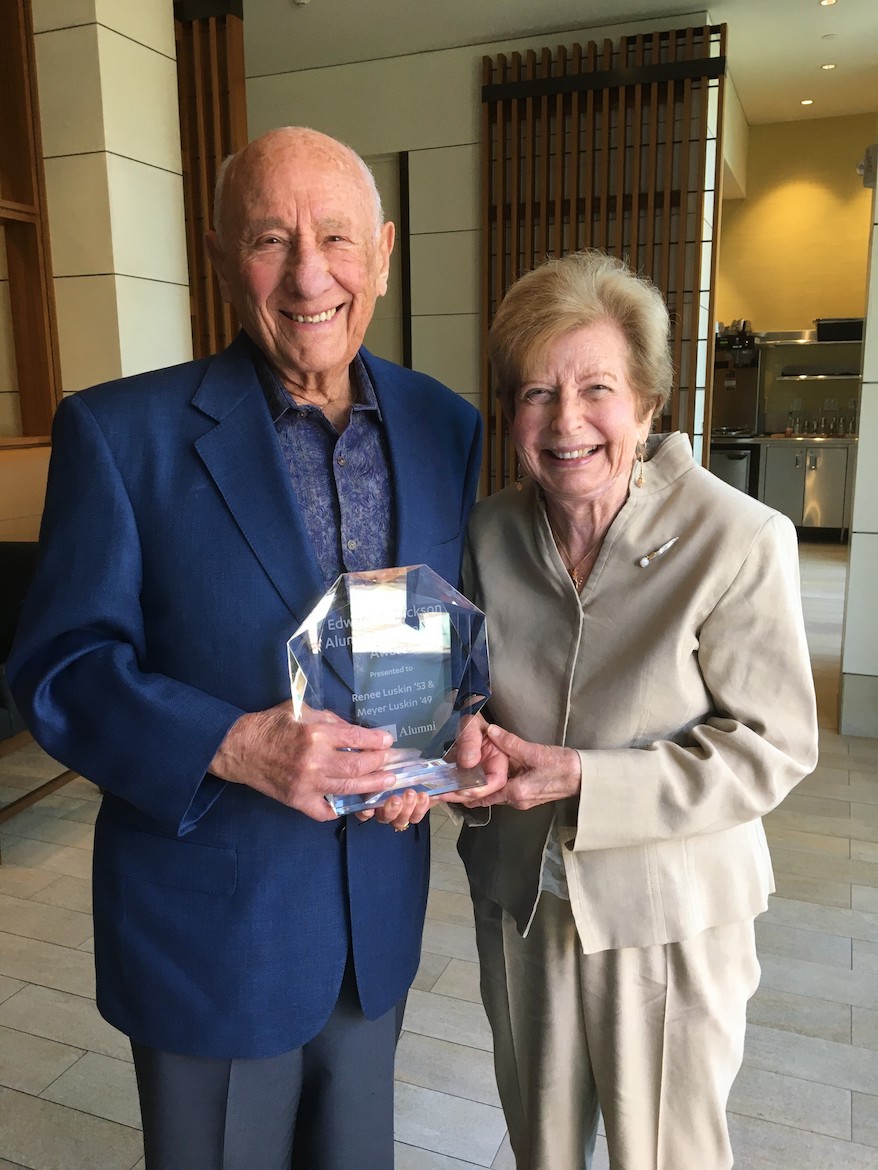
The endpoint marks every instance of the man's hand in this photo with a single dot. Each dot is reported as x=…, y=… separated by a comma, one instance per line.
x=299, y=761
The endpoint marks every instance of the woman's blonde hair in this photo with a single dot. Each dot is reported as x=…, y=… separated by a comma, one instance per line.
x=566, y=294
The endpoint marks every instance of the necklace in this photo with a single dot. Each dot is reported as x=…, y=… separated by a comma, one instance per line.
x=575, y=571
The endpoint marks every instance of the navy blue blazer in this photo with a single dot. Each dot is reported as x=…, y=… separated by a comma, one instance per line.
x=174, y=565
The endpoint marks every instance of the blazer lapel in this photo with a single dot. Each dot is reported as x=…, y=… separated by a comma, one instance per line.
x=399, y=413
x=244, y=459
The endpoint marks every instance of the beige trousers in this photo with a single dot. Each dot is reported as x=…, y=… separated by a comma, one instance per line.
x=652, y=1037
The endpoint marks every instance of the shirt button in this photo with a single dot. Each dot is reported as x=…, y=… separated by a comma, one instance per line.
x=340, y=461
x=352, y=544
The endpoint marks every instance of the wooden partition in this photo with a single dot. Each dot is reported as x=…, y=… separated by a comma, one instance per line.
x=213, y=125
x=614, y=146
x=24, y=224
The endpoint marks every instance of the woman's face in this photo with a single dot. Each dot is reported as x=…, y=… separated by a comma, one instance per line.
x=577, y=423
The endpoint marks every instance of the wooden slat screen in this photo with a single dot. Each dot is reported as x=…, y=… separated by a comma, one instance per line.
x=24, y=224
x=614, y=146
x=213, y=125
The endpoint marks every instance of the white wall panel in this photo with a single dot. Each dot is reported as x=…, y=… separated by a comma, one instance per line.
x=403, y=103
x=448, y=349
x=139, y=92
x=79, y=214
x=88, y=330
x=859, y=705
x=384, y=338
x=444, y=189
x=146, y=211
x=51, y=14
x=150, y=22
x=154, y=327
x=69, y=78
x=865, y=514
x=860, y=652
x=445, y=273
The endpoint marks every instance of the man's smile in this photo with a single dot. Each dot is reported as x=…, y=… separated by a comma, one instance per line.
x=310, y=319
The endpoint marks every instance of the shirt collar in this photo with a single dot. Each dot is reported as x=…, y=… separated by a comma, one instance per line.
x=280, y=400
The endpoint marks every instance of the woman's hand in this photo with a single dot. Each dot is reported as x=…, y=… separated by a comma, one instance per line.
x=538, y=773
x=400, y=811
x=473, y=749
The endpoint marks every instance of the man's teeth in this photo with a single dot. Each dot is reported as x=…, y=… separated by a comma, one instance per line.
x=580, y=453
x=316, y=318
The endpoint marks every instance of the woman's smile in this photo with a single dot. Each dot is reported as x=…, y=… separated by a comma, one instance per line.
x=577, y=417
x=568, y=456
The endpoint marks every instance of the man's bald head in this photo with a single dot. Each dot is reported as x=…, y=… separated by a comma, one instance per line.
x=273, y=146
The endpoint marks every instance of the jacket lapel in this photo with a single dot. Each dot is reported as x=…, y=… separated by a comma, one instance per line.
x=243, y=457
x=399, y=413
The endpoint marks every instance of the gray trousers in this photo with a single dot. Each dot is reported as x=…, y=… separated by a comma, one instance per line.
x=325, y=1106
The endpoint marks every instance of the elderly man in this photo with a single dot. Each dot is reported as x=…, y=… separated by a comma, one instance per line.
x=256, y=949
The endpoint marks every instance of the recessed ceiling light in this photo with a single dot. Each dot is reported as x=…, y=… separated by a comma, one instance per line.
x=827, y=66
x=807, y=101
x=827, y=3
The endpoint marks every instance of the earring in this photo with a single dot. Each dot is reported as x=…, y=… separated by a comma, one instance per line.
x=640, y=452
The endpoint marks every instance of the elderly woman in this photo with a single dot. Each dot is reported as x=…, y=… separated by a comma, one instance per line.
x=652, y=697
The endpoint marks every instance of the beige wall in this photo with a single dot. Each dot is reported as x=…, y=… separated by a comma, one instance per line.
x=107, y=79
x=795, y=248
x=384, y=335
x=859, y=663
x=111, y=142
x=430, y=105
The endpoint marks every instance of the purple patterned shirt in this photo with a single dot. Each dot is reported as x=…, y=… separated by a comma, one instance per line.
x=342, y=481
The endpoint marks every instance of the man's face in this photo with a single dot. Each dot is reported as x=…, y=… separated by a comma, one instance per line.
x=300, y=258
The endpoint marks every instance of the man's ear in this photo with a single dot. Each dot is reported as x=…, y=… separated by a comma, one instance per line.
x=217, y=259
x=386, y=237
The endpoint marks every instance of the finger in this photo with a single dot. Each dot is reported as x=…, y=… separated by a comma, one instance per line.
x=387, y=812
x=355, y=765
x=421, y=805
x=347, y=735
x=408, y=807
x=468, y=746
x=372, y=784
x=517, y=749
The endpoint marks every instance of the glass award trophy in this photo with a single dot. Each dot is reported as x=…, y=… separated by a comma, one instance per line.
x=400, y=650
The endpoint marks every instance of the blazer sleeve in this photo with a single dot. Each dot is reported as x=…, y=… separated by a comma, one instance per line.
x=75, y=667
x=761, y=740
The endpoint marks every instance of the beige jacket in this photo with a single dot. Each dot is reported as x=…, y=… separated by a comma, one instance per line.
x=685, y=685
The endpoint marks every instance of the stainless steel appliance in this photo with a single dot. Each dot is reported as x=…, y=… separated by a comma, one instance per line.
x=735, y=399
x=733, y=465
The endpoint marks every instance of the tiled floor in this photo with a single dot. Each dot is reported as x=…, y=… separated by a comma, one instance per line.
x=808, y=1092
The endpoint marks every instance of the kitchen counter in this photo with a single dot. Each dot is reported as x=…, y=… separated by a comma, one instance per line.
x=806, y=477
x=806, y=440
